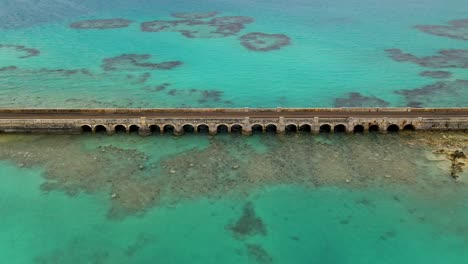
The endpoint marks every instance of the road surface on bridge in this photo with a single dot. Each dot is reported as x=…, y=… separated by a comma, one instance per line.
x=225, y=113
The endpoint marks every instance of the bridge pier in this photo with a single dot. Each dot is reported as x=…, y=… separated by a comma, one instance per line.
x=144, y=131
x=247, y=131
x=178, y=131
x=213, y=130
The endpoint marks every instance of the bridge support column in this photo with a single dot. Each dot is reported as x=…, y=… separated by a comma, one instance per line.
x=213, y=130
x=144, y=131
x=178, y=131
x=315, y=126
x=281, y=129
x=246, y=128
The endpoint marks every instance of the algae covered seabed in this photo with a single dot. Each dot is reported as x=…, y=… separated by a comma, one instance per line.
x=201, y=199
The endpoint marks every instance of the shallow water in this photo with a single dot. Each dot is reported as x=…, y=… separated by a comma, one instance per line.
x=336, y=55
x=201, y=199
x=233, y=199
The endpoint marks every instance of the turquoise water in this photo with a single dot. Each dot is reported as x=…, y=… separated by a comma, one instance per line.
x=233, y=199
x=195, y=199
x=335, y=48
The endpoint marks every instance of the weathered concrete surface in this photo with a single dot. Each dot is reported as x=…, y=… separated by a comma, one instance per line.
x=245, y=120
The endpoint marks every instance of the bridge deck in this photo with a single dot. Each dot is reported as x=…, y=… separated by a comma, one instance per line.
x=232, y=113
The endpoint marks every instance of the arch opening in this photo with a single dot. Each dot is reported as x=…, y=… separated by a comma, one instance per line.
x=358, y=129
x=86, y=129
x=203, y=129
x=393, y=128
x=374, y=128
x=257, y=129
x=325, y=128
x=134, y=129
x=155, y=129
x=168, y=129
x=270, y=128
x=409, y=127
x=222, y=129
x=236, y=129
x=100, y=129
x=305, y=128
x=339, y=128
x=291, y=128
x=120, y=129
x=188, y=128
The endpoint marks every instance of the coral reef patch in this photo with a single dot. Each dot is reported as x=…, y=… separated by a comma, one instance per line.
x=110, y=23
x=249, y=224
x=456, y=29
x=136, y=180
x=191, y=15
x=258, y=254
x=453, y=58
x=23, y=51
x=132, y=61
x=359, y=100
x=191, y=28
x=436, y=74
x=454, y=91
x=258, y=41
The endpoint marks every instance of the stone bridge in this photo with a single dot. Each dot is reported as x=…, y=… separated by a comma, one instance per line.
x=230, y=120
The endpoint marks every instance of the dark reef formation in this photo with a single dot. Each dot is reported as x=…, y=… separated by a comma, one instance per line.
x=191, y=28
x=456, y=29
x=26, y=52
x=136, y=180
x=454, y=58
x=132, y=61
x=258, y=254
x=429, y=94
x=359, y=100
x=436, y=74
x=249, y=224
x=258, y=41
x=202, y=97
x=8, y=68
x=191, y=15
x=101, y=23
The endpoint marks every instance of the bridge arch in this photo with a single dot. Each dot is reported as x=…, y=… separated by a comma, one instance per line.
x=325, y=128
x=306, y=128
x=168, y=129
x=257, y=129
x=86, y=129
x=393, y=128
x=374, y=128
x=188, y=128
x=203, y=129
x=155, y=129
x=134, y=129
x=290, y=128
x=222, y=129
x=100, y=129
x=120, y=129
x=340, y=128
x=358, y=129
x=236, y=129
x=409, y=127
x=271, y=128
